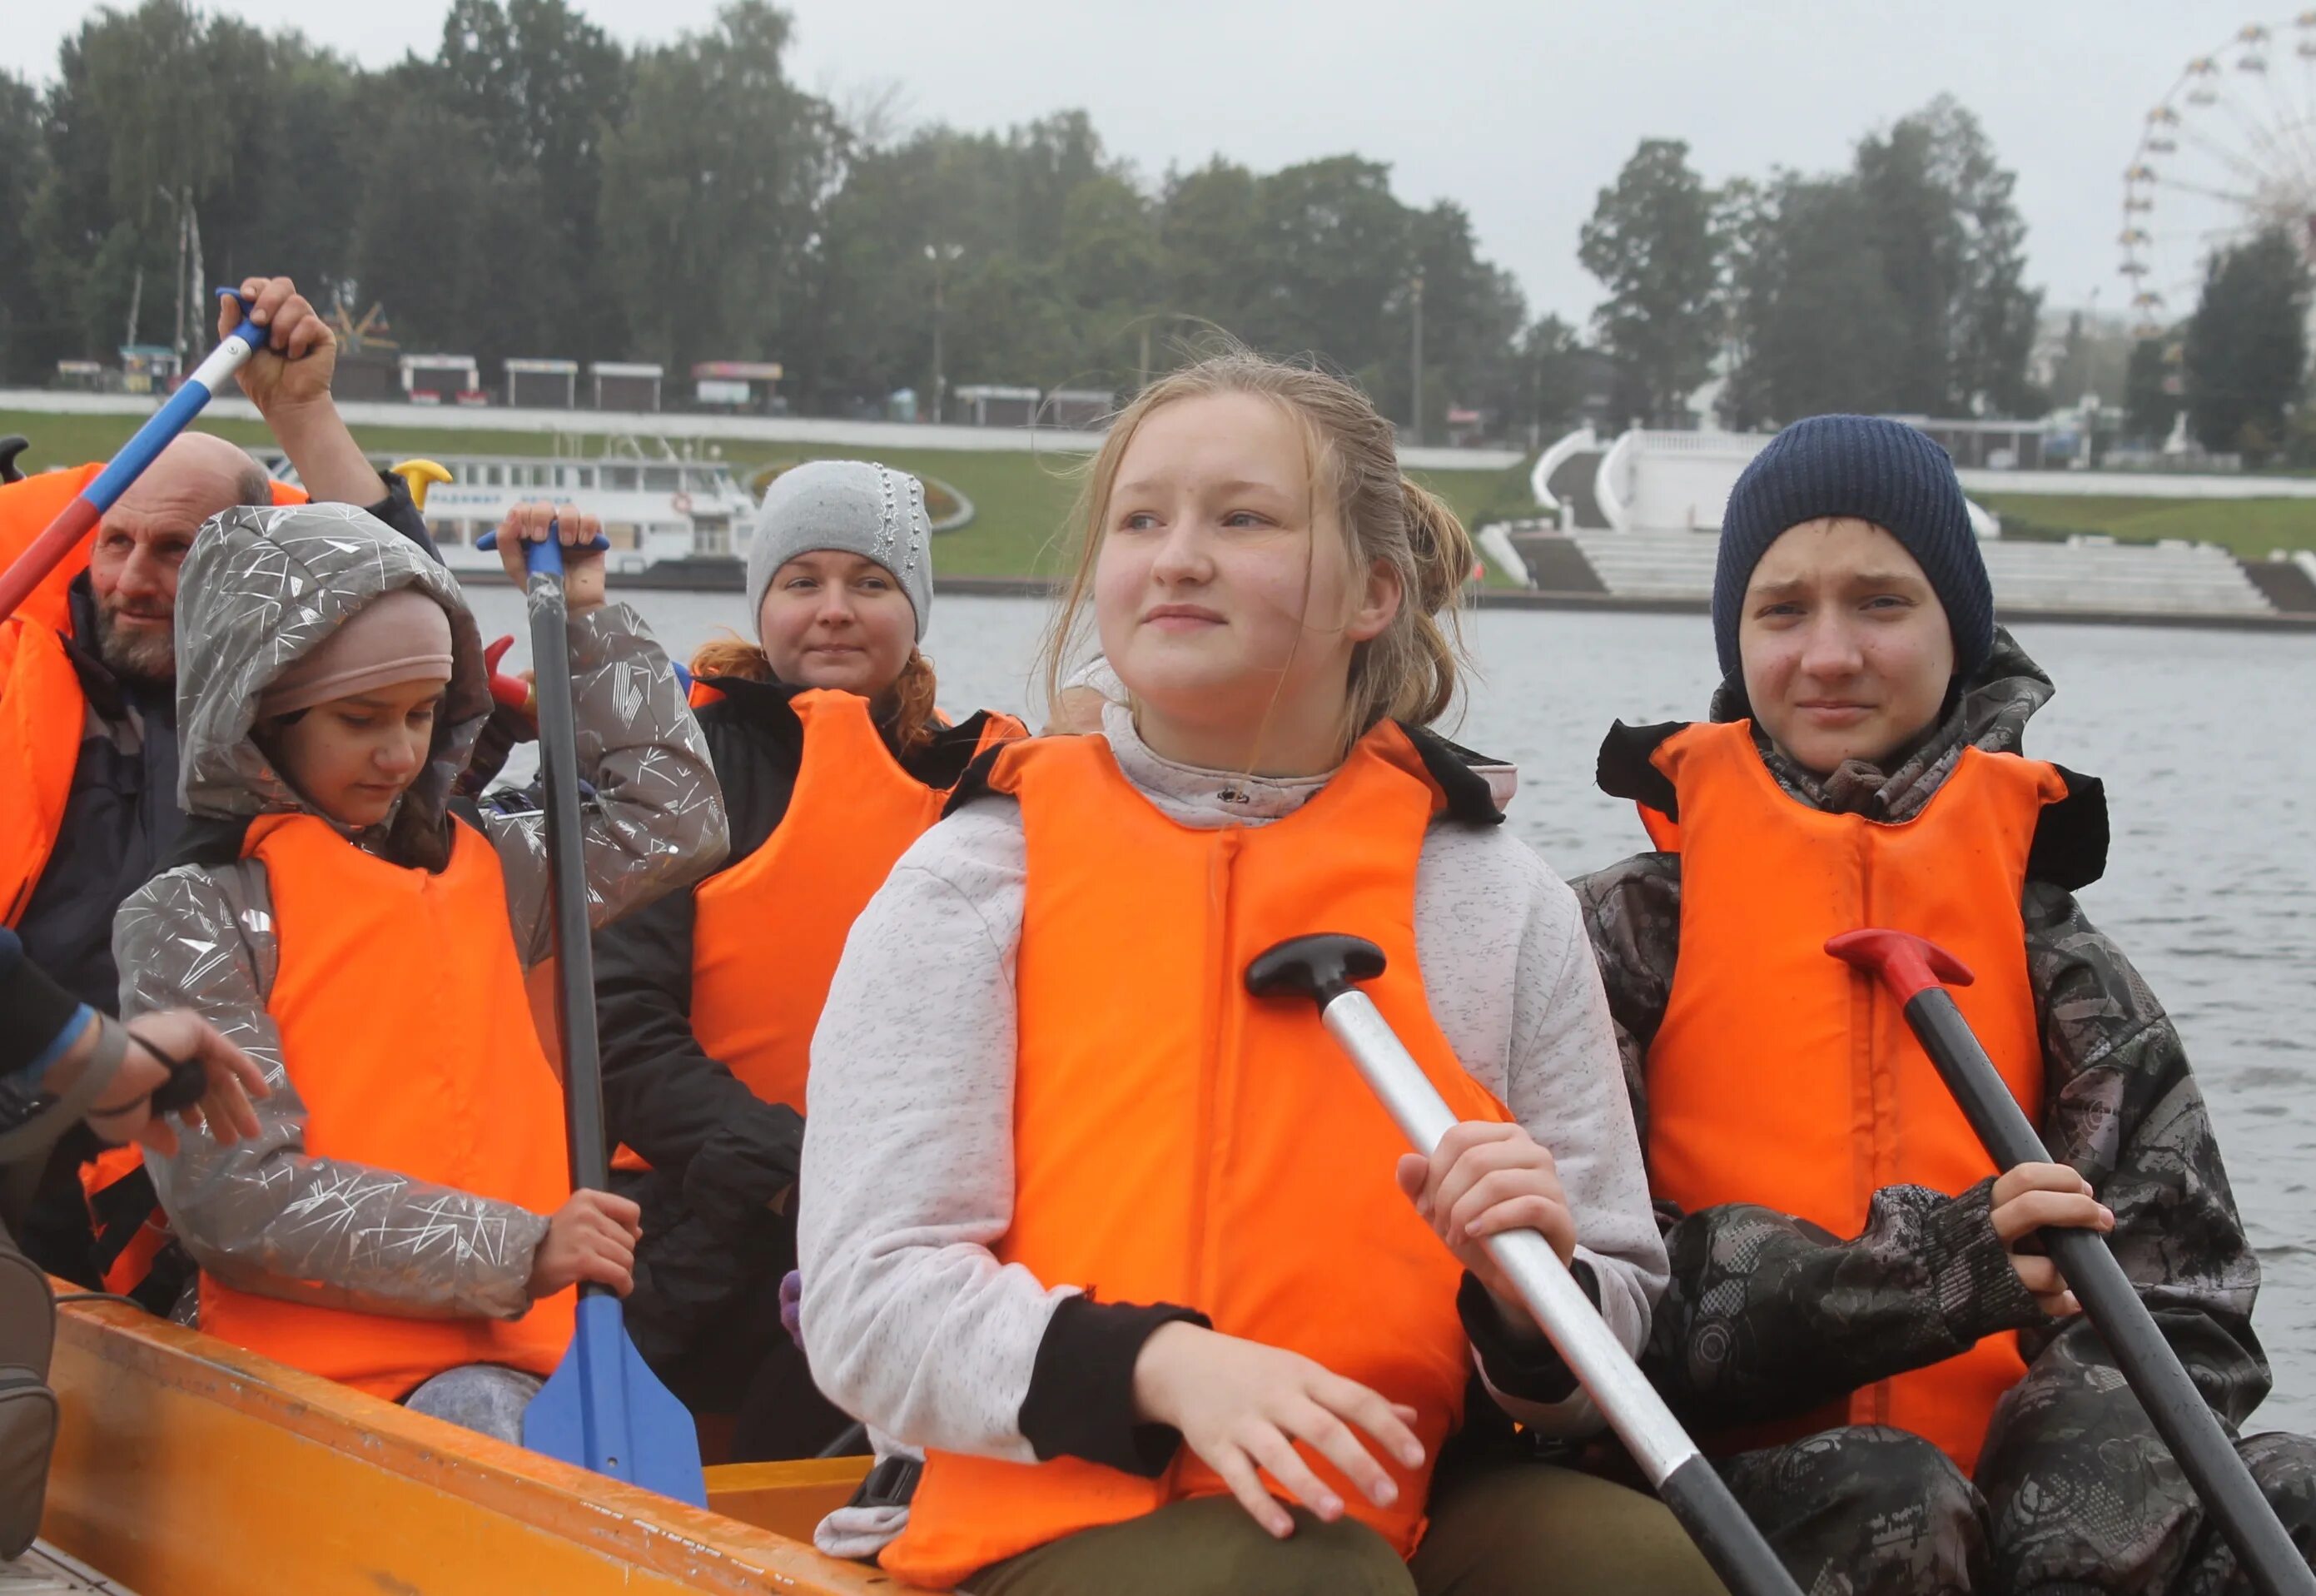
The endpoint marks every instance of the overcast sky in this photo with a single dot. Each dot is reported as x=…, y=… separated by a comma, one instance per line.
x=1519, y=110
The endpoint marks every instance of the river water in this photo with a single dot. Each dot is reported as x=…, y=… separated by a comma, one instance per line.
x=2211, y=888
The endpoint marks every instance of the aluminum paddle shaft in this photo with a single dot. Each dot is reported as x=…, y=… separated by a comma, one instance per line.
x=1323, y=969
x=1911, y=968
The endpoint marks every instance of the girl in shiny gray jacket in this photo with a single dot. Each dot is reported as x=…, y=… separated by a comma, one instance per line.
x=318, y=681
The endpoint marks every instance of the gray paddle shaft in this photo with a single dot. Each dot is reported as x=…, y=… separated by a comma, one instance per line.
x=567, y=860
x=1566, y=1314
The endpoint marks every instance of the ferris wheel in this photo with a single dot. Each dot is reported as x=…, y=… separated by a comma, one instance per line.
x=2230, y=152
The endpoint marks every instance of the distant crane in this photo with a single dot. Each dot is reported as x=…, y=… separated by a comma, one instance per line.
x=370, y=333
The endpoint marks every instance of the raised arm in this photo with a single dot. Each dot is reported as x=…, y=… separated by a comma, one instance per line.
x=654, y=820
x=289, y=380
x=264, y=1215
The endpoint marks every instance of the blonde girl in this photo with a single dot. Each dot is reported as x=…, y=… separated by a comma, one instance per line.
x=1133, y=1257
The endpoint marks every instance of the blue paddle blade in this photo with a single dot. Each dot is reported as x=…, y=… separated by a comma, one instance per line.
x=605, y=1410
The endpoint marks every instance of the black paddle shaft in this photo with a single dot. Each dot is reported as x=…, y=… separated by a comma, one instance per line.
x=567, y=860
x=2178, y=1410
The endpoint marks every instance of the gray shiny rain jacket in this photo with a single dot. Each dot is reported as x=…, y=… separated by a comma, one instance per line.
x=261, y=588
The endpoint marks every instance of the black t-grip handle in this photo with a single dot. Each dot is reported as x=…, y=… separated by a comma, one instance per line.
x=1321, y=968
x=188, y=1083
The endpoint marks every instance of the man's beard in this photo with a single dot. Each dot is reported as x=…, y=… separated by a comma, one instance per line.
x=139, y=655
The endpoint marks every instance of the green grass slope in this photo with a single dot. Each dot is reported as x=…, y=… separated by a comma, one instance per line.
x=1021, y=501
x=2248, y=527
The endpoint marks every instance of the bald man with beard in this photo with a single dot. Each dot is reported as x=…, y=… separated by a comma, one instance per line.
x=121, y=821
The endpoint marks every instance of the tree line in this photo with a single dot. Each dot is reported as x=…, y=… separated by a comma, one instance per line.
x=1898, y=286
x=534, y=189
x=1895, y=286
x=2237, y=368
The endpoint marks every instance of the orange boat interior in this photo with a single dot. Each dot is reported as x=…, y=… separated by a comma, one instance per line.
x=185, y=1467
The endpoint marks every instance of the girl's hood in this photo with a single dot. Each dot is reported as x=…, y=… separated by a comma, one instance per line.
x=262, y=586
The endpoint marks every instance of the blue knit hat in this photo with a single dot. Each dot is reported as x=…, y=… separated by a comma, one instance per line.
x=1882, y=471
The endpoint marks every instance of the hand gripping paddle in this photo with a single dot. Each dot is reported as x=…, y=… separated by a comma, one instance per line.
x=1913, y=970
x=74, y=521
x=1323, y=969
x=603, y=1409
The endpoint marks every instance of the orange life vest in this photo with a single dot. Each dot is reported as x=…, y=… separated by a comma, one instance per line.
x=134, y=1262
x=787, y=908
x=133, y=1255
x=452, y=1088
x=1172, y=1135
x=42, y=713
x=768, y=929
x=1782, y=1076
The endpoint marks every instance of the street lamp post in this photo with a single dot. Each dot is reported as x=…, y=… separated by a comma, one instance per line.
x=1415, y=405
x=941, y=256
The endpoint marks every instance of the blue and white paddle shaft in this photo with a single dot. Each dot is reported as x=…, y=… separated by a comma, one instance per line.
x=75, y=521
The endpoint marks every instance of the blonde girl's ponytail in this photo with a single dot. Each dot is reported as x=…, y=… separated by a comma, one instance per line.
x=1444, y=556
x=1410, y=671
x=1444, y=552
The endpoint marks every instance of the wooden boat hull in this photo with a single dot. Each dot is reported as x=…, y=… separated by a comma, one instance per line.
x=188, y=1467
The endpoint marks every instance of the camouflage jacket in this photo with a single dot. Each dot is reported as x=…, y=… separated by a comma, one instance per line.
x=1769, y=1317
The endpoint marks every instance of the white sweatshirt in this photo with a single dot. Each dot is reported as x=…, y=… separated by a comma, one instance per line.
x=914, y=1326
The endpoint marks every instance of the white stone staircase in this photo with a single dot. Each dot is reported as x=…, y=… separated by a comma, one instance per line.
x=2084, y=575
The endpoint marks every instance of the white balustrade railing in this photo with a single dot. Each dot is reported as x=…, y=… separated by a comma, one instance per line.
x=1608, y=484
x=1582, y=441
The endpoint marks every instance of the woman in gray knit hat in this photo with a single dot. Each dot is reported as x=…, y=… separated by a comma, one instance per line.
x=833, y=760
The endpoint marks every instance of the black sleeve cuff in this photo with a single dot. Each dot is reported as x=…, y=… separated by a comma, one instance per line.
x=1080, y=1399
x=1527, y=1370
x=743, y=1165
x=399, y=511
x=1976, y=1287
x=503, y=728
x=33, y=1009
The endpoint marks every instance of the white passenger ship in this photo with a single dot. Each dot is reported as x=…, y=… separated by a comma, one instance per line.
x=657, y=503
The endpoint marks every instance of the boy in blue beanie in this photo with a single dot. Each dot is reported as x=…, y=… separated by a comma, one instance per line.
x=1903, y=1400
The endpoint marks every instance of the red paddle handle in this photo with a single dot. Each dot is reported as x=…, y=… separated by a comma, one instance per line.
x=512, y=692
x=1903, y=962
x=1914, y=969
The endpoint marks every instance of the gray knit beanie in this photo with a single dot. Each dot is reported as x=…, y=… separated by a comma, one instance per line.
x=854, y=506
